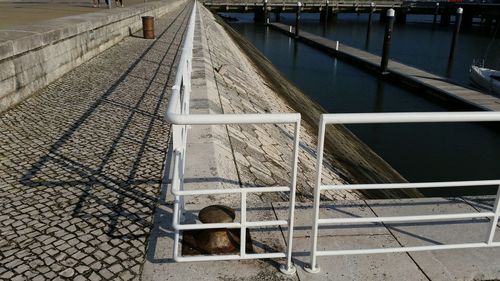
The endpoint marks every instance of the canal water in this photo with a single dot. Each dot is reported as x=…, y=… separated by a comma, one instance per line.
x=420, y=152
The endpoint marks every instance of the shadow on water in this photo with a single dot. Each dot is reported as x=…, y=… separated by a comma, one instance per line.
x=123, y=188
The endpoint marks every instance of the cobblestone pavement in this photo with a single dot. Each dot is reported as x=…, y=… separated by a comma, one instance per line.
x=81, y=163
x=263, y=153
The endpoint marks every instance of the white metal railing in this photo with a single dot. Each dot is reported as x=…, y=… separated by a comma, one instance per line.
x=370, y=118
x=178, y=115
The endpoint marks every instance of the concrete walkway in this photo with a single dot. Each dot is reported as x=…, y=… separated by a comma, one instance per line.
x=13, y=13
x=443, y=265
x=81, y=164
x=458, y=264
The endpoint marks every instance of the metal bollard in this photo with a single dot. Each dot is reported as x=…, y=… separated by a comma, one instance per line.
x=148, y=27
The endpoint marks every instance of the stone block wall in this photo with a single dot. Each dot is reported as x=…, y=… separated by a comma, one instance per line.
x=33, y=56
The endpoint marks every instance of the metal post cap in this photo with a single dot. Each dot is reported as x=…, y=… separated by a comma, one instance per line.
x=391, y=13
x=460, y=11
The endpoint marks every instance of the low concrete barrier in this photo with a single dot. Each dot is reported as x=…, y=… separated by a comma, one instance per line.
x=33, y=56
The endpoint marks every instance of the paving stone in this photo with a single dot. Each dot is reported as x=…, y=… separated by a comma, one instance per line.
x=106, y=274
x=82, y=269
x=94, y=277
x=21, y=268
x=67, y=273
x=38, y=278
x=7, y=275
x=80, y=278
x=19, y=278
x=116, y=268
x=96, y=266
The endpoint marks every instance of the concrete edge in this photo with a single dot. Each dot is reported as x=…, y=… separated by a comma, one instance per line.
x=209, y=161
x=30, y=37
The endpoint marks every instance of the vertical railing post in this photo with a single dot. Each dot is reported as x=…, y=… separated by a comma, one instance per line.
x=289, y=268
x=176, y=212
x=313, y=267
x=243, y=221
x=494, y=221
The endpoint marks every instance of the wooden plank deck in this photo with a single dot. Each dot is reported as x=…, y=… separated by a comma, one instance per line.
x=439, y=85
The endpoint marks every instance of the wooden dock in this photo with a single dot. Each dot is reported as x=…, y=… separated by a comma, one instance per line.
x=410, y=76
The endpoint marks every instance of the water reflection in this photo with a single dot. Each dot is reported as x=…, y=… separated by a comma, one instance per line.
x=379, y=100
x=420, y=152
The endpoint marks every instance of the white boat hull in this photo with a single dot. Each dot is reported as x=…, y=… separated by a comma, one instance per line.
x=487, y=79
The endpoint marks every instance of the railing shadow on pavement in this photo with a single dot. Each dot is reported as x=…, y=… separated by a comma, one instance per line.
x=123, y=188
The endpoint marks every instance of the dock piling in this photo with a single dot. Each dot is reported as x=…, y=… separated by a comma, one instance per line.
x=324, y=13
x=266, y=14
x=458, y=21
x=369, y=27
x=436, y=12
x=327, y=10
x=391, y=15
x=297, y=19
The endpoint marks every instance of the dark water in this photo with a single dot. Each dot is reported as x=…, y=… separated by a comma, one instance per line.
x=415, y=43
x=420, y=152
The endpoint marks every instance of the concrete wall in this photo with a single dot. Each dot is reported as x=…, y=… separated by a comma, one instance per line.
x=33, y=56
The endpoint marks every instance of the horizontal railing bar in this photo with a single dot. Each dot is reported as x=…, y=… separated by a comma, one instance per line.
x=406, y=249
x=222, y=119
x=410, y=185
x=410, y=117
x=196, y=226
x=230, y=190
x=231, y=257
x=266, y=223
x=406, y=218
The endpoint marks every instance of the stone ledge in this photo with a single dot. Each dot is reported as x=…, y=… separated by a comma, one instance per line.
x=33, y=56
x=18, y=39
